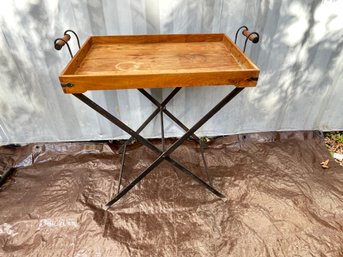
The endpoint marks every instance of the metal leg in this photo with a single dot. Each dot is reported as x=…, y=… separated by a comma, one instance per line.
x=205, y=163
x=145, y=142
x=122, y=149
x=121, y=167
x=178, y=122
x=162, y=130
x=173, y=147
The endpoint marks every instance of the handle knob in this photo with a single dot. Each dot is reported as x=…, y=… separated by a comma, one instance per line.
x=60, y=42
x=253, y=37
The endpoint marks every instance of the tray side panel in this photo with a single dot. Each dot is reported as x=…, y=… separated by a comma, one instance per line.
x=83, y=83
x=163, y=38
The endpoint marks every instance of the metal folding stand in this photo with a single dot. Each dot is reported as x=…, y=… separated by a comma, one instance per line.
x=161, y=108
x=162, y=154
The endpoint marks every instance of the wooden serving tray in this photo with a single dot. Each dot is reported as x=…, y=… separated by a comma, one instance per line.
x=157, y=61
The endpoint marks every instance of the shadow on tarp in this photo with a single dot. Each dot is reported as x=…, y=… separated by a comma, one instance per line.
x=279, y=201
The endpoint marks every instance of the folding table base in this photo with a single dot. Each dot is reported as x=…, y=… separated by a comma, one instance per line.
x=161, y=108
x=162, y=154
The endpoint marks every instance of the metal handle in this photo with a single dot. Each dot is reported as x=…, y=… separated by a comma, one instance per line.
x=252, y=36
x=60, y=42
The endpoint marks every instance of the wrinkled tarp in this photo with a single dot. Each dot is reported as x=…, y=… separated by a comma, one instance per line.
x=279, y=201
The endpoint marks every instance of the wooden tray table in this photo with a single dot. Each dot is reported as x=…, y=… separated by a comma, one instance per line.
x=158, y=61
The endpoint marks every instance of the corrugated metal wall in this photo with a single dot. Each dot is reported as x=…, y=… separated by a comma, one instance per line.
x=300, y=57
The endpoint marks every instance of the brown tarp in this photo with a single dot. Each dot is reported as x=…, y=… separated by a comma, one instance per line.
x=279, y=201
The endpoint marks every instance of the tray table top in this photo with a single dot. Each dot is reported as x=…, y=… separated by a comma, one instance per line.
x=157, y=61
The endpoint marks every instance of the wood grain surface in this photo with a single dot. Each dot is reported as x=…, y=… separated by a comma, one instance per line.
x=158, y=61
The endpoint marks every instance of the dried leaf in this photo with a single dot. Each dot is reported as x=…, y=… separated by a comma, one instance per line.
x=325, y=164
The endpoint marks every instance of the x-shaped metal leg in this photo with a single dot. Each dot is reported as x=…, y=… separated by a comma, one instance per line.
x=165, y=155
x=122, y=149
x=161, y=108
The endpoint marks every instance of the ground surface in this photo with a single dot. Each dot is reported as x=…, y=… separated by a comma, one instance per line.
x=279, y=200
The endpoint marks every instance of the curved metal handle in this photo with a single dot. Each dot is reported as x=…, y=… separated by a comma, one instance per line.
x=252, y=36
x=60, y=42
x=243, y=27
x=77, y=38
